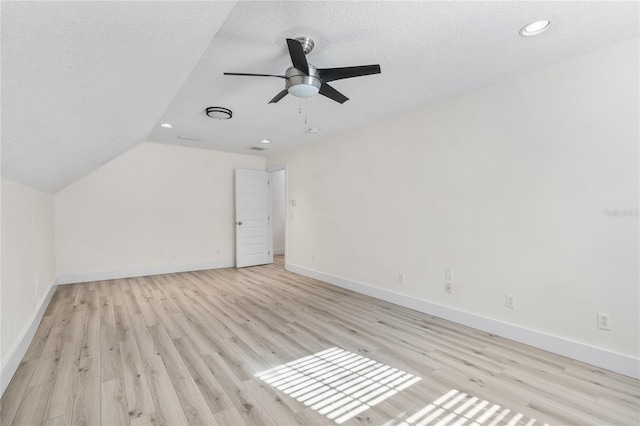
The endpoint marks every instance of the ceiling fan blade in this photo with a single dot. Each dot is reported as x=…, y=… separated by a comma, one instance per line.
x=298, y=58
x=253, y=75
x=279, y=96
x=332, y=93
x=331, y=74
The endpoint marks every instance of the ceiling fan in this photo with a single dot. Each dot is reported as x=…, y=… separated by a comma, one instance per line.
x=303, y=80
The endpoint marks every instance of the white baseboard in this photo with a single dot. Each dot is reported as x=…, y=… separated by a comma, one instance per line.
x=612, y=361
x=278, y=251
x=13, y=359
x=141, y=272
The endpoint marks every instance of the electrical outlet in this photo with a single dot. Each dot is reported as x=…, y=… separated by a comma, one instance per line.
x=604, y=321
x=401, y=277
x=510, y=301
x=448, y=288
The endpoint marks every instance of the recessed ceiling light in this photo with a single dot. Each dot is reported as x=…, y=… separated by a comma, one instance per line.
x=534, y=28
x=167, y=125
x=313, y=130
x=265, y=141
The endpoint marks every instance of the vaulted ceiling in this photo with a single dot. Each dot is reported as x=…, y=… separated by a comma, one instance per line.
x=83, y=82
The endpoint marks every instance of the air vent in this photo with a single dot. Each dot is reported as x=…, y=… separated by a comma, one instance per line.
x=257, y=148
x=188, y=138
x=219, y=113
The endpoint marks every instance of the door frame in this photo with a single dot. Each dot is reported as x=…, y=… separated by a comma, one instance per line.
x=277, y=168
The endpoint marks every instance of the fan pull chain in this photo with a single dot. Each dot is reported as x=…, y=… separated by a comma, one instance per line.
x=306, y=111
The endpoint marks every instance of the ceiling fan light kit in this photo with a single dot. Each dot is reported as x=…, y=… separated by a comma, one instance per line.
x=219, y=113
x=304, y=80
x=302, y=85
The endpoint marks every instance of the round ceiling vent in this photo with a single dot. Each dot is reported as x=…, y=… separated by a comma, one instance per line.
x=219, y=113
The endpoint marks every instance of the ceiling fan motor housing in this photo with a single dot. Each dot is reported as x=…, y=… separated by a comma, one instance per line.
x=301, y=85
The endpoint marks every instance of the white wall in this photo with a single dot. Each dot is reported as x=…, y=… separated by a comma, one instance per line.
x=157, y=208
x=507, y=185
x=28, y=268
x=278, y=210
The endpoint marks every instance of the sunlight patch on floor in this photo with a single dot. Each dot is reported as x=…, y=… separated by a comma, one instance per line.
x=457, y=408
x=337, y=383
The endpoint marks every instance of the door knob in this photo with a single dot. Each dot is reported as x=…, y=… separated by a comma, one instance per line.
x=238, y=223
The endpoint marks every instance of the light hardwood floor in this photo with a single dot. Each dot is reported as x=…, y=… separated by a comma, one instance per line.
x=210, y=347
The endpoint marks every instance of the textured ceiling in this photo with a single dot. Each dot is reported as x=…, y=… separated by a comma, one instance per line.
x=83, y=82
x=428, y=51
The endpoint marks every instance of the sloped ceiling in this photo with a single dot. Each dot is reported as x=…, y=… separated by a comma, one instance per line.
x=83, y=82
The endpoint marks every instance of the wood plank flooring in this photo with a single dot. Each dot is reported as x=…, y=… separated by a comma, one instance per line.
x=263, y=346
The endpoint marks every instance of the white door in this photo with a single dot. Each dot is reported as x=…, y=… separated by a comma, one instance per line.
x=253, y=227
